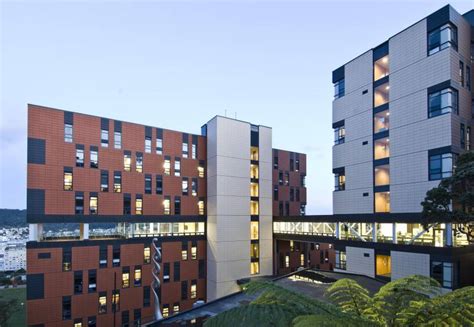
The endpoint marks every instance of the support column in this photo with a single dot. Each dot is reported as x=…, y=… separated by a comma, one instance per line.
x=337, y=230
x=394, y=233
x=374, y=232
x=449, y=234
x=84, y=231
x=35, y=232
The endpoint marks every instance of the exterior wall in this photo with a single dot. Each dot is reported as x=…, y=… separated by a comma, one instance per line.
x=281, y=164
x=360, y=261
x=316, y=255
x=405, y=264
x=47, y=310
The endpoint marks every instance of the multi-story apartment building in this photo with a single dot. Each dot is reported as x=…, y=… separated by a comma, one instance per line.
x=207, y=199
x=14, y=257
x=402, y=113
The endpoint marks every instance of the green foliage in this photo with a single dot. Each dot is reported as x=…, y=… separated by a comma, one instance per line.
x=325, y=321
x=7, y=307
x=349, y=296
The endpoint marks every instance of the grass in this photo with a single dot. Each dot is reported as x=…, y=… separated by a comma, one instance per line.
x=18, y=318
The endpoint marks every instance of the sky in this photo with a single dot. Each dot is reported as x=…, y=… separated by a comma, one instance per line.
x=177, y=64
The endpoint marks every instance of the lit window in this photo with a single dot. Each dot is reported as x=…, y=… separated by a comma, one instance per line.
x=185, y=150
x=117, y=140
x=254, y=268
x=441, y=38
x=94, y=156
x=139, y=162
x=166, y=206
x=93, y=203
x=67, y=259
x=146, y=255
x=254, y=251
x=254, y=171
x=177, y=167
x=254, y=230
x=167, y=166
x=193, y=151
x=381, y=68
x=201, y=171
x=115, y=300
x=254, y=208
x=78, y=324
x=102, y=303
x=127, y=162
x=104, y=181
x=175, y=308
x=339, y=135
x=148, y=144
x=68, y=133
x=184, y=186
x=159, y=146
x=194, y=187
x=117, y=182
x=201, y=207
x=194, y=253
x=254, y=153
x=193, y=290
x=138, y=206
x=287, y=261
x=382, y=202
x=138, y=276
x=442, y=102
x=381, y=121
x=382, y=175
x=381, y=94
x=125, y=279
x=166, y=311
x=184, y=254
x=340, y=181
x=254, y=189
x=441, y=166
x=339, y=89
x=104, y=138
x=68, y=180
x=79, y=157
x=381, y=148
x=302, y=260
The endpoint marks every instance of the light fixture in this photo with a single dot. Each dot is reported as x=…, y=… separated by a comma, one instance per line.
x=385, y=59
x=387, y=87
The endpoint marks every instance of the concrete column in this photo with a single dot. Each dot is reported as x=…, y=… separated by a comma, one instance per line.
x=394, y=233
x=374, y=232
x=449, y=234
x=84, y=231
x=35, y=232
x=337, y=230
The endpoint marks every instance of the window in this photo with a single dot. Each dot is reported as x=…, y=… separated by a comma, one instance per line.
x=382, y=175
x=254, y=250
x=381, y=94
x=254, y=189
x=176, y=308
x=78, y=282
x=92, y=281
x=127, y=204
x=103, y=257
x=297, y=163
x=441, y=166
x=125, y=318
x=184, y=252
x=201, y=207
x=117, y=140
x=68, y=133
x=302, y=259
x=147, y=184
x=340, y=181
x=67, y=259
x=159, y=184
x=287, y=261
x=139, y=162
x=292, y=194
x=463, y=136
x=254, y=171
x=381, y=121
x=91, y=322
x=468, y=138
x=146, y=254
x=125, y=278
x=166, y=311
x=166, y=272
x=176, y=271
x=177, y=205
x=103, y=303
x=468, y=77
x=286, y=179
x=441, y=38
x=93, y=204
x=177, y=166
x=292, y=164
x=340, y=260
x=115, y=300
x=254, y=268
x=302, y=209
x=67, y=179
x=442, y=102
x=443, y=273
x=147, y=144
x=461, y=73
x=297, y=194
x=381, y=148
x=194, y=187
x=117, y=182
x=116, y=256
x=381, y=68
x=193, y=289
x=185, y=150
x=77, y=322
x=184, y=186
x=194, y=150
x=184, y=290
x=127, y=161
x=302, y=180
x=253, y=208
x=254, y=153
x=104, y=181
x=201, y=169
x=137, y=280
x=104, y=138
x=275, y=192
x=194, y=252
x=339, y=135
x=79, y=156
x=146, y=296
x=139, y=205
x=339, y=89
x=67, y=307
x=167, y=166
x=79, y=205
x=275, y=162
x=166, y=205
x=159, y=146
x=382, y=202
x=94, y=158
x=280, y=177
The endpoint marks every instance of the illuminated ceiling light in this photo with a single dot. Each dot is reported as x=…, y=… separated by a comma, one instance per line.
x=385, y=59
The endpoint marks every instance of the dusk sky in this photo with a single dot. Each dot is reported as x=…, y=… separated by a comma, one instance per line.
x=177, y=64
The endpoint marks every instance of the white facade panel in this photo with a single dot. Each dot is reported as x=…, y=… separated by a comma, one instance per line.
x=360, y=261
x=405, y=264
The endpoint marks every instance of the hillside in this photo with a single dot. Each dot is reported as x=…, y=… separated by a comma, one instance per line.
x=12, y=218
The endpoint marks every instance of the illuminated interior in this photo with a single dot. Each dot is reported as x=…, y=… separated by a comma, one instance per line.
x=254, y=208
x=381, y=94
x=253, y=153
x=382, y=175
x=253, y=189
x=383, y=265
x=254, y=268
x=382, y=202
x=254, y=171
x=381, y=148
x=254, y=230
x=381, y=68
x=381, y=121
x=167, y=166
x=254, y=251
x=166, y=206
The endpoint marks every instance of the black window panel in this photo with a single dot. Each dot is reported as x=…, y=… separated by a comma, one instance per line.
x=45, y=255
x=177, y=205
x=104, y=181
x=36, y=151
x=287, y=208
x=35, y=289
x=78, y=282
x=125, y=317
x=202, y=269
x=116, y=256
x=280, y=209
x=79, y=203
x=103, y=256
x=159, y=184
x=66, y=308
x=92, y=285
x=67, y=259
x=91, y=322
x=68, y=118
x=292, y=194
x=184, y=290
x=275, y=192
x=176, y=271
x=146, y=296
x=147, y=184
x=137, y=315
x=297, y=194
x=127, y=204
x=166, y=271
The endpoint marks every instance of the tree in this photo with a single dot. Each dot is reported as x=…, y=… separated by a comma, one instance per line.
x=453, y=199
x=7, y=307
x=349, y=296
